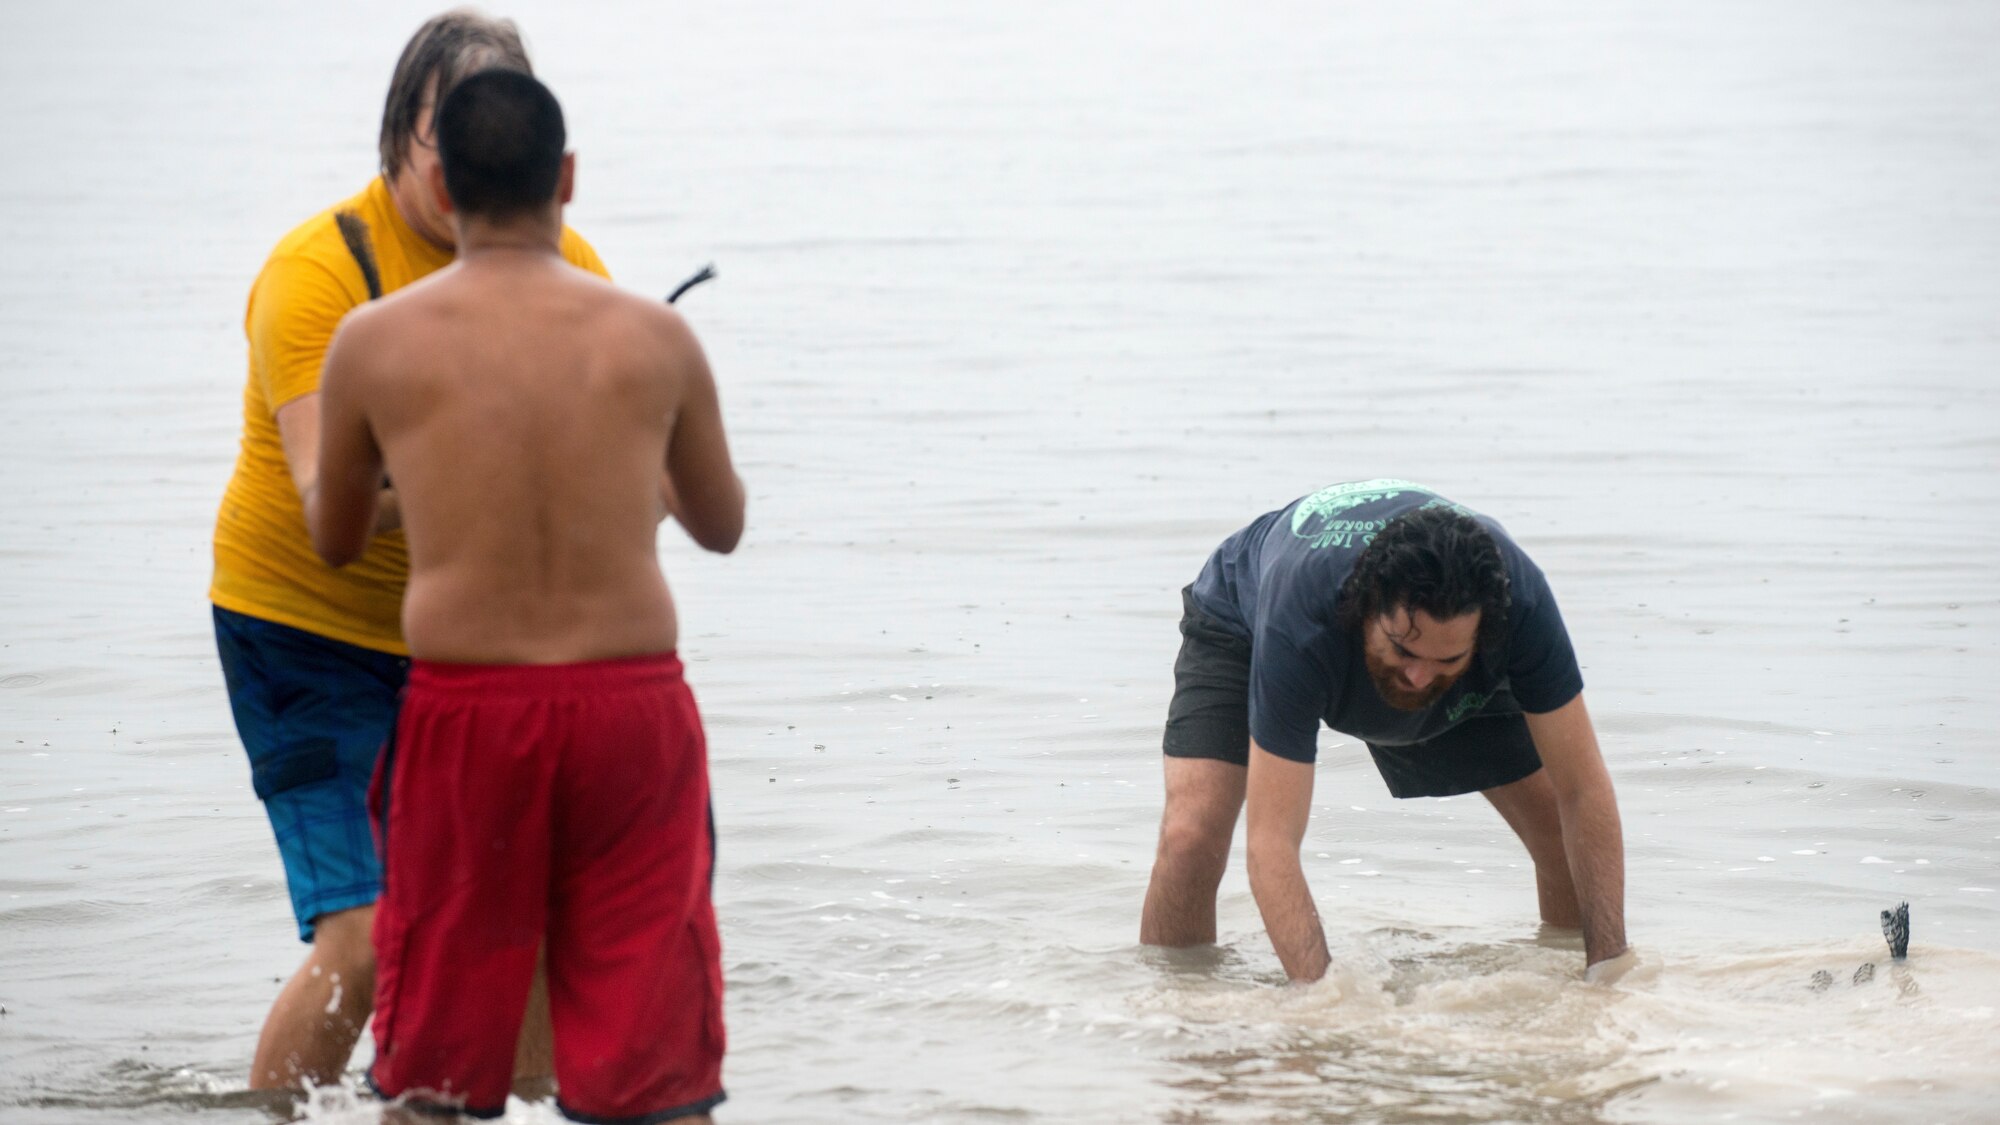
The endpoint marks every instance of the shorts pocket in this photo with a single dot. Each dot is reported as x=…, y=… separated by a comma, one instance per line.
x=292, y=764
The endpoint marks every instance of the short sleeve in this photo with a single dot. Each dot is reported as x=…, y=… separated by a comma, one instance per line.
x=1541, y=664
x=1288, y=695
x=294, y=308
x=582, y=255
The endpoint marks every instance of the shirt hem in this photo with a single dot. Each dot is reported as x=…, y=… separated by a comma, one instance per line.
x=359, y=639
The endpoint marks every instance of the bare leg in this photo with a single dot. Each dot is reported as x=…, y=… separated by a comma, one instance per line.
x=320, y=1012
x=534, y=1053
x=1203, y=798
x=1529, y=808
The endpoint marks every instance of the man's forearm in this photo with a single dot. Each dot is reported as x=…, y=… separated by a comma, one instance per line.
x=388, y=510
x=1279, y=885
x=1595, y=844
x=340, y=546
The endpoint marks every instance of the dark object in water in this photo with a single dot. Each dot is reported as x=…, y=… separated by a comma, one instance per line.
x=1896, y=928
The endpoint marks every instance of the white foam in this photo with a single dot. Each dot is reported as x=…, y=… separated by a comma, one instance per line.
x=1691, y=1037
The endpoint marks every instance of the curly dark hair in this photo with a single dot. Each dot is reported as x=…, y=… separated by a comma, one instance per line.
x=1436, y=559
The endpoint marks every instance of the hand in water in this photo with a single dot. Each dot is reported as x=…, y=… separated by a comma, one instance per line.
x=1607, y=971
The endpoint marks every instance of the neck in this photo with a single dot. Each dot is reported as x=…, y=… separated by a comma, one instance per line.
x=537, y=233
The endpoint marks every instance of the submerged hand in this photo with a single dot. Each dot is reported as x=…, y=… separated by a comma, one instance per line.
x=1607, y=971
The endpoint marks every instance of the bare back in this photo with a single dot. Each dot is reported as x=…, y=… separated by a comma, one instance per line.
x=534, y=418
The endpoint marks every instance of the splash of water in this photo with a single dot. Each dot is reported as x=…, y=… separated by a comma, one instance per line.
x=1405, y=1025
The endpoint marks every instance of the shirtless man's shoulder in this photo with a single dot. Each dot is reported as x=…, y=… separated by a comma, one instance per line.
x=650, y=327
x=568, y=313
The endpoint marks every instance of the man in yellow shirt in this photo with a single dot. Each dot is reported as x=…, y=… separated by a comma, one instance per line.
x=314, y=657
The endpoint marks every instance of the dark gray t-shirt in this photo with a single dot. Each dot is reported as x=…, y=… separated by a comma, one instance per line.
x=1277, y=581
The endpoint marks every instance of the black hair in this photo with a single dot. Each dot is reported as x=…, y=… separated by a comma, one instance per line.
x=500, y=136
x=1436, y=559
x=445, y=49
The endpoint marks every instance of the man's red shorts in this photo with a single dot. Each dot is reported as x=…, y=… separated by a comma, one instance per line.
x=566, y=803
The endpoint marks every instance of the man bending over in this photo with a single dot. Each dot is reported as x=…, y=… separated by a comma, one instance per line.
x=1401, y=618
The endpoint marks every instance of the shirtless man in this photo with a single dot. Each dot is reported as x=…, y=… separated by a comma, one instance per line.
x=548, y=775
x=314, y=657
x=1392, y=614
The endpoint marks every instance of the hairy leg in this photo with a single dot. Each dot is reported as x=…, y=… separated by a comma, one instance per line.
x=1529, y=808
x=1203, y=798
x=320, y=1012
x=534, y=1053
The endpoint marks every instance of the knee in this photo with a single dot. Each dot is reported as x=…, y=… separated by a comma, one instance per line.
x=1194, y=842
x=343, y=942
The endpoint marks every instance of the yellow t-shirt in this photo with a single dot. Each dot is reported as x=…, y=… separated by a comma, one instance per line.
x=264, y=562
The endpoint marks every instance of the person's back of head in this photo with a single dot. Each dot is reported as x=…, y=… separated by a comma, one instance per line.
x=1435, y=559
x=500, y=137
x=442, y=52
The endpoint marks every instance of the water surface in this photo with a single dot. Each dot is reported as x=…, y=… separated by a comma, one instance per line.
x=1022, y=309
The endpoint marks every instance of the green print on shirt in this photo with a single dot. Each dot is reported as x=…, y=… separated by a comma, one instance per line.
x=1329, y=502
x=1314, y=518
x=1467, y=703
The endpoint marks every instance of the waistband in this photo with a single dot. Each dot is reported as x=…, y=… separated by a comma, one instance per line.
x=624, y=673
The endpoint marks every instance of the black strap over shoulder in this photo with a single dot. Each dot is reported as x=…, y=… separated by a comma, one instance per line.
x=355, y=233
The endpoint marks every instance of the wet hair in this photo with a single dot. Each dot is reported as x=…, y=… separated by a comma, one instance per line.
x=1435, y=559
x=500, y=136
x=446, y=49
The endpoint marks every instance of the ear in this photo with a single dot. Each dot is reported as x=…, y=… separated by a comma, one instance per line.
x=435, y=173
x=566, y=183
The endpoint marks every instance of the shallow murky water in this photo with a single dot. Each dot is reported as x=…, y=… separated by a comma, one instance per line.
x=1022, y=309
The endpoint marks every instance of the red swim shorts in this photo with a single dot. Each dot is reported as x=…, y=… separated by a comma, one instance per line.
x=566, y=804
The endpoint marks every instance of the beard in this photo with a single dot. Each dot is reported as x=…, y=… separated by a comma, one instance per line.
x=1389, y=685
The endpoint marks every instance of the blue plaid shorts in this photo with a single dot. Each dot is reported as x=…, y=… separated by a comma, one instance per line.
x=313, y=714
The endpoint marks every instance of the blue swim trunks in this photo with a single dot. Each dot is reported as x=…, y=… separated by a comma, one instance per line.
x=313, y=714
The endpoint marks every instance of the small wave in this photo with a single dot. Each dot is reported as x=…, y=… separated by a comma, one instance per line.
x=1510, y=1030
